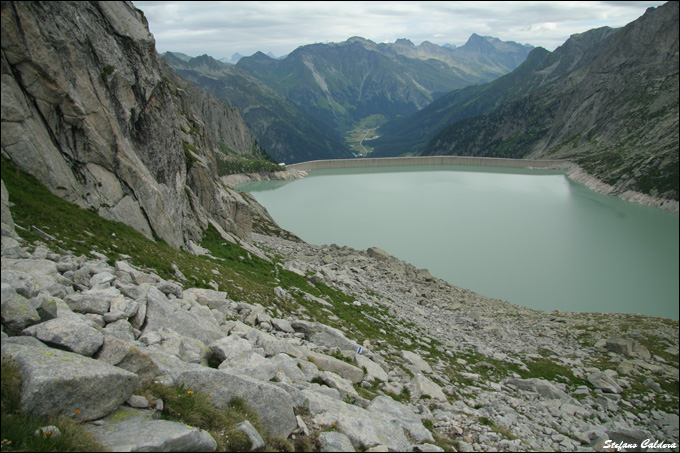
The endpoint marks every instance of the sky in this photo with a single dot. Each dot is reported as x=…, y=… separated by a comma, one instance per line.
x=221, y=29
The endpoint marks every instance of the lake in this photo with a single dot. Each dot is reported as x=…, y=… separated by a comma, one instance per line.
x=531, y=237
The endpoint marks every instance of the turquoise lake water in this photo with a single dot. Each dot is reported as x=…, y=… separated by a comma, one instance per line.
x=533, y=238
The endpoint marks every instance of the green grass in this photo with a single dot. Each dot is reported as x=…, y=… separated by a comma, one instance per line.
x=195, y=409
x=502, y=430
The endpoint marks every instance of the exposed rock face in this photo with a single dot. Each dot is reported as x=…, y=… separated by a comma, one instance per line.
x=606, y=99
x=96, y=116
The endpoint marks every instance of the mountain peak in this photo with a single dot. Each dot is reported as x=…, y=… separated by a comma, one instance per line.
x=261, y=56
x=360, y=40
x=404, y=42
x=480, y=43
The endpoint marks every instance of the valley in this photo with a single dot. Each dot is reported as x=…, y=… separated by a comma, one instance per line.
x=359, y=138
x=149, y=306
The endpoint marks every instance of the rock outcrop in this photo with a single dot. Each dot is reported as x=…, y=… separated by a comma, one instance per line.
x=97, y=117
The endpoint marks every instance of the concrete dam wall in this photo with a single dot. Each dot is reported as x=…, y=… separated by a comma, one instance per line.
x=430, y=160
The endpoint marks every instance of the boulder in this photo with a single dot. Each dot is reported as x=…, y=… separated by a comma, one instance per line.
x=208, y=297
x=379, y=254
x=47, y=306
x=339, y=367
x=72, y=333
x=423, y=386
x=542, y=387
x=162, y=312
x=31, y=276
x=256, y=441
x=126, y=273
x=282, y=325
x=272, y=404
x=57, y=382
x=273, y=346
x=102, y=280
x=373, y=370
x=17, y=311
x=365, y=429
x=324, y=335
x=343, y=386
x=187, y=349
x=4, y=204
x=96, y=301
x=605, y=383
x=628, y=347
x=256, y=367
x=136, y=430
x=332, y=441
x=401, y=415
x=231, y=349
x=128, y=357
x=11, y=248
x=289, y=368
x=416, y=361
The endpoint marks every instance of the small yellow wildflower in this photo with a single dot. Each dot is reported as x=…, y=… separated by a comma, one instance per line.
x=189, y=392
x=77, y=411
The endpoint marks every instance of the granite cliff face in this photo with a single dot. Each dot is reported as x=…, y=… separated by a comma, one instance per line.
x=91, y=111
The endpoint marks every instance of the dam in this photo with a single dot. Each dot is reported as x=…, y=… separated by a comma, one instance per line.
x=431, y=161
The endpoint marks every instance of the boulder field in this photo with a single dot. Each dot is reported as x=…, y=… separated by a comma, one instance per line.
x=445, y=363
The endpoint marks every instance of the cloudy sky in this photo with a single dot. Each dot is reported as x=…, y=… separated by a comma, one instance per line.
x=221, y=29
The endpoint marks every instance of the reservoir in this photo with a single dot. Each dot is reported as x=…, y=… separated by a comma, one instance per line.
x=531, y=237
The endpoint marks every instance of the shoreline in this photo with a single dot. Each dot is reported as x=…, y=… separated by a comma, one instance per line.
x=572, y=170
x=579, y=175
x=232, y=181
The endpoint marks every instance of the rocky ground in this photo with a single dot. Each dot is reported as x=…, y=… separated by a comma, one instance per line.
x=406, y=362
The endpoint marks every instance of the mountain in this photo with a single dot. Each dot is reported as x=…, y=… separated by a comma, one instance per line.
x=97, y=117
x=235, y=58
x=606, y=99
x=288, y=133
x=410, y=135
x=344, y=83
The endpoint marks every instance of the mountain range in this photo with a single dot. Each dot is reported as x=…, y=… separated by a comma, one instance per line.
x=606, y=99
x=283, y=129
x=299, y=107
x=343, y=83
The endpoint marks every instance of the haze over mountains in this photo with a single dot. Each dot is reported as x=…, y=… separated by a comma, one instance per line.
x=606, y=99
x=299, y=107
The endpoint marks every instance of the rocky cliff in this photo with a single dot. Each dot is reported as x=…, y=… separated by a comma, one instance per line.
x=90, y=110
